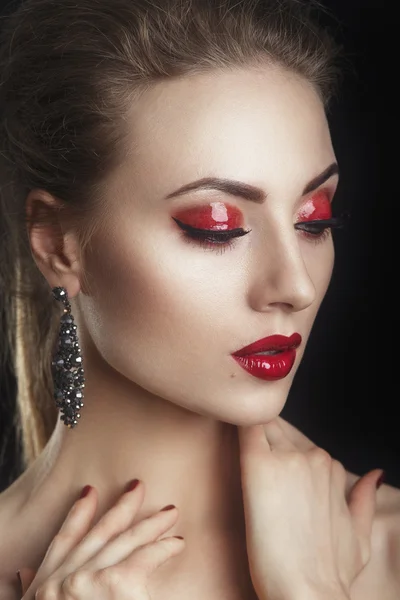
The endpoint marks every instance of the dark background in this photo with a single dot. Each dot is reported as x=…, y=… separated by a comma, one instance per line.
x=340, y=397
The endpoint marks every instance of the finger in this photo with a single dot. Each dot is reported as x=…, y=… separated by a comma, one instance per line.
x=338, y=488
x=254, y=453
x=277, y=438
x=362, y=503
x=144, y=532
x=127, y=578
x=253, y=439
x=295, y=435
x=73, y=530
x=114, y=522
x=304, y=443
x=146, y=559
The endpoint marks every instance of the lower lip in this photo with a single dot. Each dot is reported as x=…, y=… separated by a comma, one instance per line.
x=268, y=367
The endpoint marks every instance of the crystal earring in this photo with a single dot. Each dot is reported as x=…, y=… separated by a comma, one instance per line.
x=68, y=373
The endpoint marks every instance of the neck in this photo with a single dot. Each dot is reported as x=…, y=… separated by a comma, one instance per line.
x=125, y=432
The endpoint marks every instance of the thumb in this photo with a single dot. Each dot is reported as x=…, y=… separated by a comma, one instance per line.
x=26, y=575
x=252, y=438
x=362, y=503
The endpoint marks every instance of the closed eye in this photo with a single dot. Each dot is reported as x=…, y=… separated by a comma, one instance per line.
x=210, y=239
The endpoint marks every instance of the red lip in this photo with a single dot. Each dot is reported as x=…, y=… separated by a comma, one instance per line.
x=270, y=367
x=272, y=342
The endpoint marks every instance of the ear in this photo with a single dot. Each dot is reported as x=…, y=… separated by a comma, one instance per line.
x=55, y=250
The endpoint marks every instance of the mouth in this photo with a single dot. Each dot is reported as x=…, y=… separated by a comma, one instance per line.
x=270, y=358
x=271, y=345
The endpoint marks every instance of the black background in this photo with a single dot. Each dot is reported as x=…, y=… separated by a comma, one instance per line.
x=342, y=396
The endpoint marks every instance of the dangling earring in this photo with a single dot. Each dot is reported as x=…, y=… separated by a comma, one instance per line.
x=67, y=370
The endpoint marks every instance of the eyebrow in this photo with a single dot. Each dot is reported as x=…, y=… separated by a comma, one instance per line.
x=245, y=190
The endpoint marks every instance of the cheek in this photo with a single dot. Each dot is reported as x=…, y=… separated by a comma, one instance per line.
x=158, y=318
x=144, y=291
x=133, y=289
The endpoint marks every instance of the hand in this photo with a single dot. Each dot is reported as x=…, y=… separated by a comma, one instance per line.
x=304, y=538
x=302, y=442
x=112, y=560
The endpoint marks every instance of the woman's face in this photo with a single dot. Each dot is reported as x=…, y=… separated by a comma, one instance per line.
x=167, y=310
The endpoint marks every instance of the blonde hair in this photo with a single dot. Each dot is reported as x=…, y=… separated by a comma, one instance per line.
x=70, y=72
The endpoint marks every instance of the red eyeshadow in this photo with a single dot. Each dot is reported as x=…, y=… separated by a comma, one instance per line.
x=217, y=216
x=315, y=208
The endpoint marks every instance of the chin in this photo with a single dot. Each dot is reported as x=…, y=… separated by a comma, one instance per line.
x=253, y=407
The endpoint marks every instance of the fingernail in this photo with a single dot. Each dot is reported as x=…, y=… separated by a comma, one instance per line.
x=85, y=491
x=380, y=480
x=169, y=507
x=131, y=485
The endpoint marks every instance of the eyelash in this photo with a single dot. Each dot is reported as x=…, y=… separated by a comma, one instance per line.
x=224, y=240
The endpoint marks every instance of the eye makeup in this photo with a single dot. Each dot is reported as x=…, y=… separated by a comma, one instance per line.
x=214, y=216
x=315, y=208
x=213, y=226
x=216, y=225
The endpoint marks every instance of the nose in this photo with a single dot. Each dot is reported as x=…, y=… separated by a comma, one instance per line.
x=282, y=278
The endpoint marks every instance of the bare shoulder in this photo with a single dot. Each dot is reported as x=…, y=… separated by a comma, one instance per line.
x=6, y=515
x=381, y=578
x=388, y=500
x=9, y=585
x=391, y=524
x=388, y=527
x=9, y=506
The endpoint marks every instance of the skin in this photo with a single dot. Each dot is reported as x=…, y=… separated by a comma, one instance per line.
x=163, y=396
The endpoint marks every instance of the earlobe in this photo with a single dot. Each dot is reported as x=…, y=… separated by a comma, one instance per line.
x=55, y=252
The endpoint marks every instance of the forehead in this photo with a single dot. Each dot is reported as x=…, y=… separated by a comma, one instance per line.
x=258, y=124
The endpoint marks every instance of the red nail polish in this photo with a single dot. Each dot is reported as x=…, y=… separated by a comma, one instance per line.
x=380, y=480
x=85, y=491
x=169, y=507
x=131, y=485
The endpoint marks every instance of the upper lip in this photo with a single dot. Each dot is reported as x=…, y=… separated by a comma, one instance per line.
x=272, y=342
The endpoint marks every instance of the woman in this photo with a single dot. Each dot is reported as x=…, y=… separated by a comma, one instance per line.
x=167, y=179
